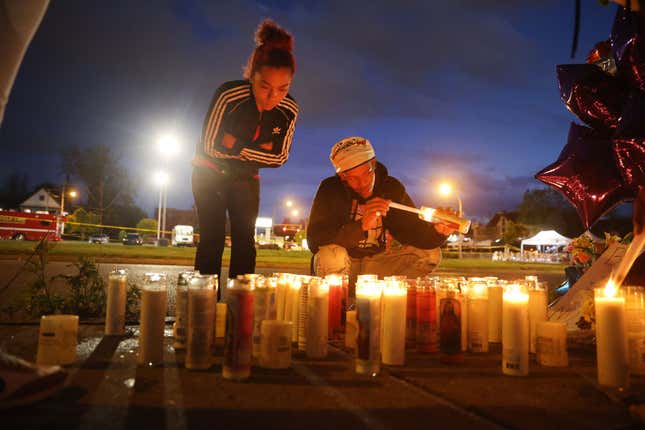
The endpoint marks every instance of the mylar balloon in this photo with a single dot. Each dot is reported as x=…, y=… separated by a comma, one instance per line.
x=592, y=95
x=587, y=175
x=632, y=119
x=630, y=154
x=628, y=46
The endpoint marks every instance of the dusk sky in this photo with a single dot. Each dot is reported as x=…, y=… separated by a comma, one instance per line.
x=463, y=89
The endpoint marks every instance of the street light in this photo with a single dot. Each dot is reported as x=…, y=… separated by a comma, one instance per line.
x=71, y=193
x=168, y=145
x=295, y=212
x=161, y=179
x=447, y=189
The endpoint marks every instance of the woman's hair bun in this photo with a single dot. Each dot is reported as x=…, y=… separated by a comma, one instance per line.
x=272, y=35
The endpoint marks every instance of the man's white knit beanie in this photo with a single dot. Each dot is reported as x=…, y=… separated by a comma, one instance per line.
x=351, y=152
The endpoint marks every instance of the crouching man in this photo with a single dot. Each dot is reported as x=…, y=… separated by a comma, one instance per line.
x=351, y=224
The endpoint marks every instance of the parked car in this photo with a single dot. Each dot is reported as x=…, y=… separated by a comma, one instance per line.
x=99, y=238
x=132, y=239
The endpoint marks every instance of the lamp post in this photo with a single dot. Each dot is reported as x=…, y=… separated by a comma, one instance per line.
x=168, y=146
x=72, y=194
x=446, y=189
x=161, y=178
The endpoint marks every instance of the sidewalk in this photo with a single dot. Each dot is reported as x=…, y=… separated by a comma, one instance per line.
x=108, y=390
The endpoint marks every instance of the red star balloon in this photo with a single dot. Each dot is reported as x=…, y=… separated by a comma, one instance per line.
x=628, y=46
x=630, y=154
x=586, y=173
x=592, y=95
x=632, y=118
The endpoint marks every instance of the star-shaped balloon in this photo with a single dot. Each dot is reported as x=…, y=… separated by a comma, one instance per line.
x=628, y=46
x=586, y=173
x=592, y=95
x=630, y=155
x=632, y=119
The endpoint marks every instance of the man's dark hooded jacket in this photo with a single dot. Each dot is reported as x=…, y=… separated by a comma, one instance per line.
x=331, y=219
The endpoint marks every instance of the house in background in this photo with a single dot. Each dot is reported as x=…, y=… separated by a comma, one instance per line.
x=495, y=228
x=41, y=201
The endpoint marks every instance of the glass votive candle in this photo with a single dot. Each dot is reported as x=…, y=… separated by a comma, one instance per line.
x=551, y=344
x=57, y=339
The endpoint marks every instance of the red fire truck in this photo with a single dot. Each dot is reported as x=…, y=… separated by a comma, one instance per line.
x=30, y=225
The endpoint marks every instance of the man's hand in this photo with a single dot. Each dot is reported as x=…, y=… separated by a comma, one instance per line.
x=372, y=210
x=442, y=227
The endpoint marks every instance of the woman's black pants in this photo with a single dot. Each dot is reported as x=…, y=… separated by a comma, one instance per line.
x=215, y=194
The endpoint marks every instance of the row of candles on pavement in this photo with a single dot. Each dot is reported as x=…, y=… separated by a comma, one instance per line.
x=263, y=316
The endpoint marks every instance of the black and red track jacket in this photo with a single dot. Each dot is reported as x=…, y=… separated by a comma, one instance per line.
x=333, y=218
x=233, y=110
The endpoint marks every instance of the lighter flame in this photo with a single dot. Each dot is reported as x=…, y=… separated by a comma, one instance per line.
x=427, y=213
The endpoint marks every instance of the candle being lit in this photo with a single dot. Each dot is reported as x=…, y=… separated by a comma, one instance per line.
x=611, y=339
x=515, y=331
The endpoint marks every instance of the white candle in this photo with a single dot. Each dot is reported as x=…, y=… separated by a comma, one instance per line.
x=463, y=299
x=57, y=339
x=515, y=331
x=317, y=327
x=635, y=315
x=551, y=344
x=220, y=320
x=303, y=312
x=368, y=315
x=261, y=310
x=394, y=317
x=115, y=304
x=275, y=349
x=478, y=318
x=281, y=294
x=351, y=329
x=153, y=319
x=292, y=306
x=495, y=293
x=537, y=310
x=202, y=296
x=611, y=341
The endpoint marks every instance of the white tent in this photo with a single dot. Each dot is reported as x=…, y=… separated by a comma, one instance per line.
x=546, y=237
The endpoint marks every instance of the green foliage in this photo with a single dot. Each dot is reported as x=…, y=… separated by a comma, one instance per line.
x=122, y=234
x=80, y=215
x=148, y=224
x=123, y=215
x=298, y=238
x=107, y=181
x=548, y=209
x=87, y=296
x=39, y=299
x=514, y=231
x=132, y=300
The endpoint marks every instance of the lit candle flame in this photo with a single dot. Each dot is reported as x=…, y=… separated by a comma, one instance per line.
x=610, y=289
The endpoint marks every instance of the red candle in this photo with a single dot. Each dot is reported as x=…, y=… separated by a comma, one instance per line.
x=427, y=333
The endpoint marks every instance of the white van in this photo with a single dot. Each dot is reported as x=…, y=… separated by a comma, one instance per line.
x=182, y=235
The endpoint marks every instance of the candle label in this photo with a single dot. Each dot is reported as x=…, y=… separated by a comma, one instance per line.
x=450, y=326
x=239, y=329
x=512, y=359
x=427, y=336
x=363, y=315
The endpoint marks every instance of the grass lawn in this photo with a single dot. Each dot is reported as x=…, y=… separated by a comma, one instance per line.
x=280, y=259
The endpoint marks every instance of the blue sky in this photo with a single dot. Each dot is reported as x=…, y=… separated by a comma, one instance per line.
x=464, y=89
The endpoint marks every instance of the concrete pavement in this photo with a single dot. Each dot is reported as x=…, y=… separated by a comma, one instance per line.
x=108, y=390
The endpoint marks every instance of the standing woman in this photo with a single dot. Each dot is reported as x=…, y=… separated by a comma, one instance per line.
x=249, y=125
